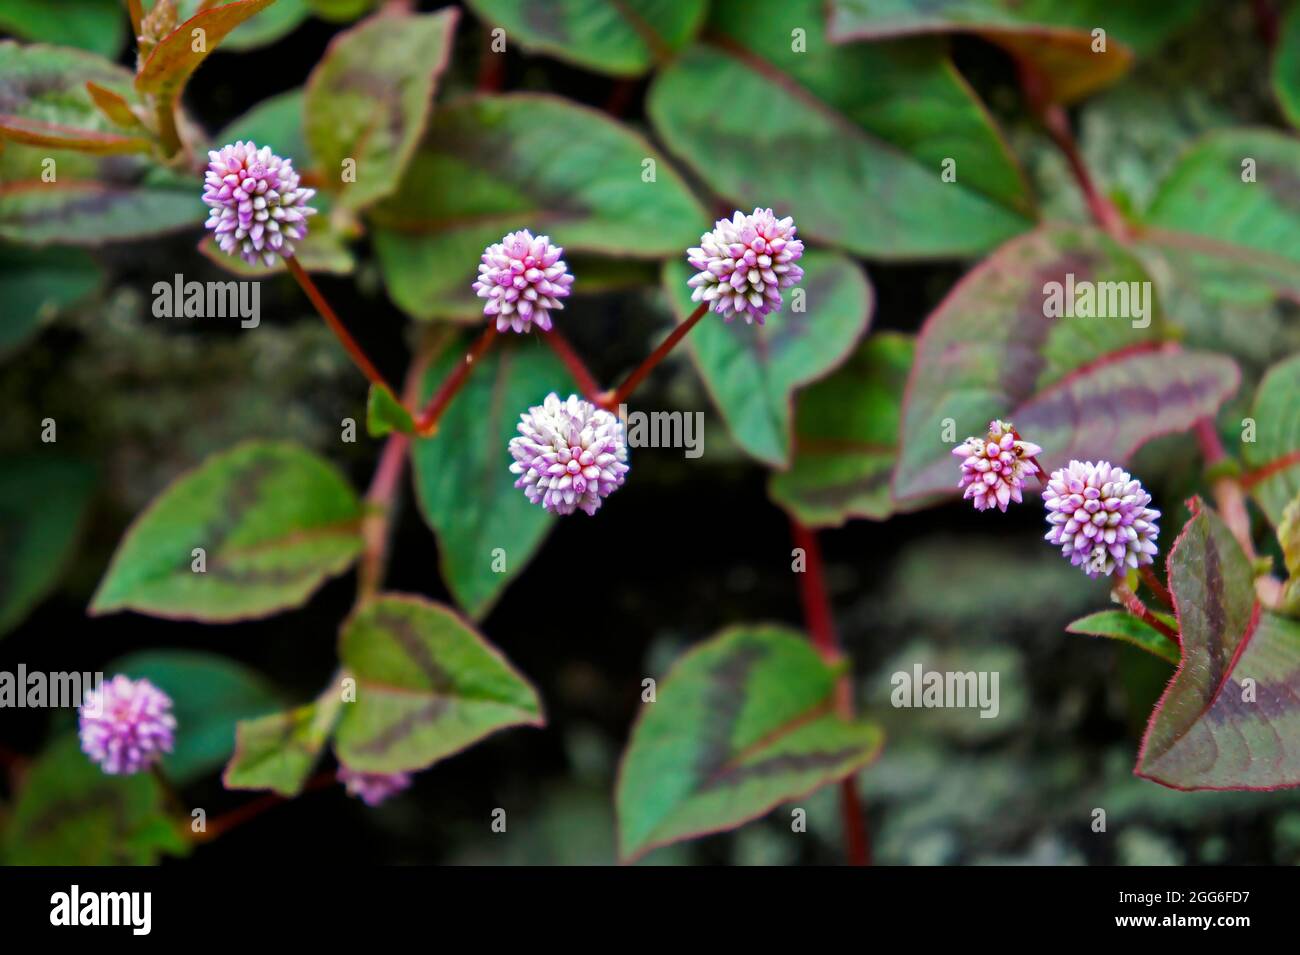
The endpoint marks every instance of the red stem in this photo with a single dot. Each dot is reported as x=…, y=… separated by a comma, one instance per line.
x=1155, y=586
x=577, y=368
x=656, y=356
x=491, y=65
x=255, y=807
x=428, y=419
x=1263, y=473
x=335, y=324
x=1134, y=605
x=821, y=627
x=1228, y=495
x=1102, y=209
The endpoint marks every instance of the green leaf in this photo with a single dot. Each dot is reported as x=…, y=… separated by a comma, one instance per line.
x=274, y=520
x=428, y=686
x=94, y=200
x=1218, y=227
x=277, y=21
x=1212, y=730
x=340, y=11
x=276, y=121
x=210, y=694
x=1274, y=455
x=178, y=55
x=43, y=501
x=369, y=99
x=1054, y=35
x=35, y=284
x=752, y=371
x=462, y=474
x=68, y=812
x=95, y=25
x=500, y=151
x=385, y=414
x=278, y=751
x=1286, y=66
x=742, y=723
x=1082, y=387
x=44, y=101
x=1119, y=625
x=622, y=39
x=876, y=122
x=846, y=437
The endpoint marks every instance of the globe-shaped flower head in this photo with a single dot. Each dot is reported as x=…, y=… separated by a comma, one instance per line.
x=569, y=455
x=523, y=278
x=1099, y=516
x=744, y=263
x=259, y=210
x=372, y=788
x=126, y=725
x=996, y=466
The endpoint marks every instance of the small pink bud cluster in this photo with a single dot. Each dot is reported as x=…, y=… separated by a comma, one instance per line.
x=569, y=455
x=258, y=207
x=523, y=278
x=996, y=466
x=126, y=725
x=744, y=263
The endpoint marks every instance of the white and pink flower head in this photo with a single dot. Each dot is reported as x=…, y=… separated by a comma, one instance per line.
x=996, y=466
x=743, y=264
x=569, y=455
x=523, y=279
x=259, y=209
x=126, y=725
x=1099, y=516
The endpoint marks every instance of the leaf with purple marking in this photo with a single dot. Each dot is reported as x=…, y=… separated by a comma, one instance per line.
x=1081, y=387
x=1056, y=36
x=501, y=151
x=742, y=723
x=273, y=520
x=44, y=100
x=752, y=371
x=626, y=38
x=1230, y=719
x=369, y=98
x=428, y=686
x=846, y=437
x=277, y=751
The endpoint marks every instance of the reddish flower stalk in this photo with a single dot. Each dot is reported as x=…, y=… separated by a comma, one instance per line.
x=821, y=627
x=1228, y=495
x=624, y=390
x=577, y=367
x=222, y=824
x=1155, y=586
x=1134, y=605
x=335, y=324
x=428, y=420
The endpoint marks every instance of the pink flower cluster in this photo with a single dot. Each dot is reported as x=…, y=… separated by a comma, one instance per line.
x=523, y=278
x=996, y=466
x=258, y=207
x=744, y=263
x=569, y=455
x=1100, y=519
x=126, y=725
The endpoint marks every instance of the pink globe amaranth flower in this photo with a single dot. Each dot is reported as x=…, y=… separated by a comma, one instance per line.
x=1100, y=518
x=258, y=208
x=744, y=263
x=996, y=466
x=523, y=278
x=570, y=455
x=126, y=725
x=372, y=788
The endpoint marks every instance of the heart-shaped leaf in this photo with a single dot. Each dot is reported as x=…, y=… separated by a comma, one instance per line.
x=1059, y=37
x=94, y=25
x=36, y=283
x=886, y=127
x=69, y=812
x=846, y=437
x=1119, y=625
x=178, y=55
x=44, y=100
x=210, y=694
x=273, y=521
x=487, y=530
x=1081, y=387
x=627, y=38
x=1274, y=454
x=611, y=193
x=752, y=371
x=369, y=98
x=43, y=501
x=1230, y=719
x=428, y=686
x=740, y=724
